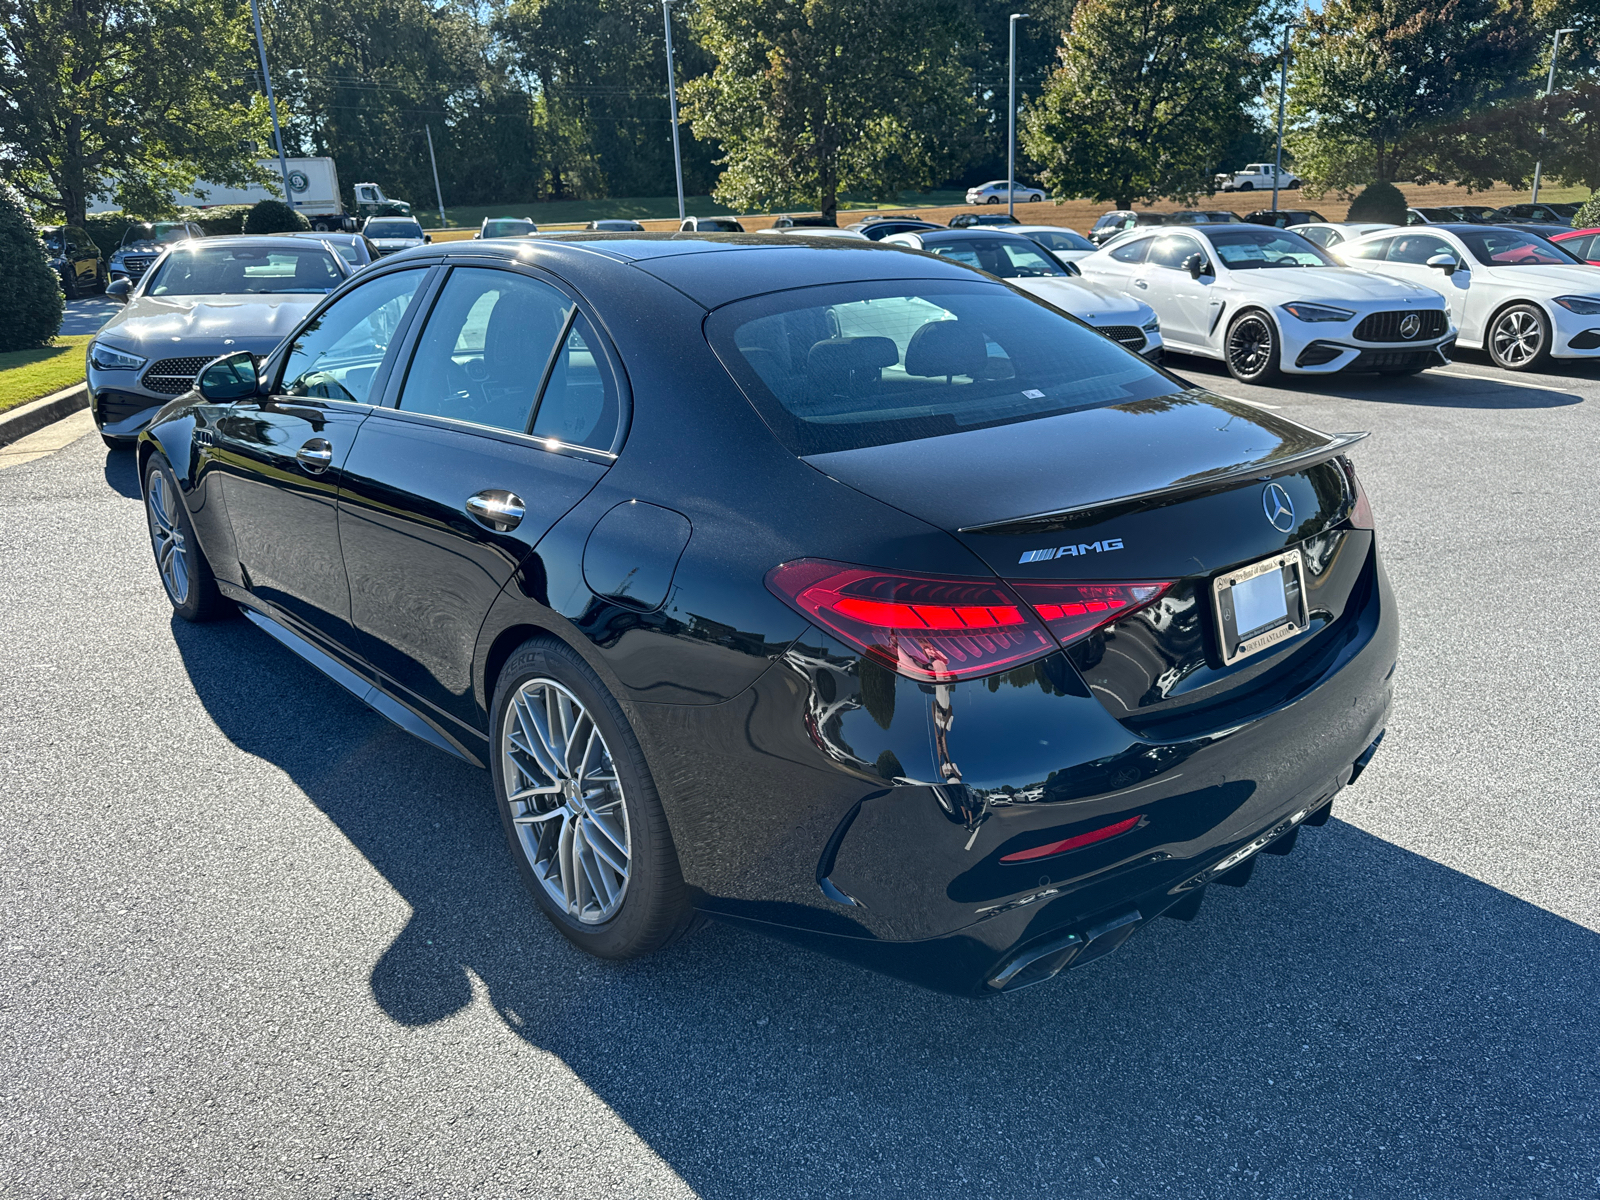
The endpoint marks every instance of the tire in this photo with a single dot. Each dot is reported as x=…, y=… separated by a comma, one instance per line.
x=1518, y=338
x=992, y=200
x=1246, y=186
x=102, y=278
x=69, y=284
x=1292, y=186
x=181, y=563
x=1252, y=348
x=1036, y=198
x=569, y=860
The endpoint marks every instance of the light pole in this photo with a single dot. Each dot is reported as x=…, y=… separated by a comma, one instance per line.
x=1011, y=125
x=1283, y=85
x=672, y=102
x=272, y=104
x=1550, y=86
x=437, y=194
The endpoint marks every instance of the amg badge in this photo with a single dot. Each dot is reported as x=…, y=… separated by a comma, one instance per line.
x=1082, y=548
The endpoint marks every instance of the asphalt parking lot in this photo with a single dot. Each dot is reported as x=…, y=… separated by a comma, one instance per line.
x=257, y=942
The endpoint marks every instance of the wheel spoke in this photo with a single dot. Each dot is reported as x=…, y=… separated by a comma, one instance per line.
x=539, y=818
x=605, y=846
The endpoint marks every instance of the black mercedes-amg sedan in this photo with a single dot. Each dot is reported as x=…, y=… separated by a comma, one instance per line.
x=834, y=589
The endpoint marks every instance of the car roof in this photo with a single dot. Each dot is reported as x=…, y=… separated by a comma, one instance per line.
x=711, y=269
x=972, y=231
x=252, y=239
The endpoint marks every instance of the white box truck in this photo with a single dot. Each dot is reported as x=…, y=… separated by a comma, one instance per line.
x=313, y=191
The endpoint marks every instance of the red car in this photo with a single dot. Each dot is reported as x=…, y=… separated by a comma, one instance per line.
x=1585, y=243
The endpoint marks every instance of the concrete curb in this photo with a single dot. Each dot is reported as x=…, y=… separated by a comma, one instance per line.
x=36, y=414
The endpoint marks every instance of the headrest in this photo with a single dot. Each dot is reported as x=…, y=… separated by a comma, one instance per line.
x=839, y=356
x=947, y=348
x=832, y=365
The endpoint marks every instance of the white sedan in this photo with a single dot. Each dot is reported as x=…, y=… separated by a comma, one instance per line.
x=1024, y=264
x=994, y=192
x=1266, y=300
x=1523, y=299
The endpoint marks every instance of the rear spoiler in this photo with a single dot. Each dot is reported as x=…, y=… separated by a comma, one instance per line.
x=1222, y=480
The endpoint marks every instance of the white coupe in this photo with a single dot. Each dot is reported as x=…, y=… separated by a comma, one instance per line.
x=1523, y=299
x=1266, y=301
x=1024, y=264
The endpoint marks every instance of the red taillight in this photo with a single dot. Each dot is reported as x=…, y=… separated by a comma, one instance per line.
x=1360, y=511
x=1074, y=610
x=1074, y=843
x=931, y=628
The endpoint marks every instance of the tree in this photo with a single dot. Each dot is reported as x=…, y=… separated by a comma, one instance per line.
x=274, y=216
x=1145, y=95
x=1386, y=89
x=601, y=72
x=1380, y=202
x=31, y=303
x=811, y=98
x=136, y=98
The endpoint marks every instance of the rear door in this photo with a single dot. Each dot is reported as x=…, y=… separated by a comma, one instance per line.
x=282, y=457
x=507, y=414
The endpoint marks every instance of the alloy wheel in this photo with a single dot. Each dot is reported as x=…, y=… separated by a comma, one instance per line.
x=566, y=801
x=1250, y=346
x=1517, y=338
x=166, y=536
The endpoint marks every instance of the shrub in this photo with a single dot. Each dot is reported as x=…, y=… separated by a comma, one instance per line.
x=1379, y=202
x=107, y=228
x=31, y=303
x=1588, y=216
x=274, y=216
x=225, y=220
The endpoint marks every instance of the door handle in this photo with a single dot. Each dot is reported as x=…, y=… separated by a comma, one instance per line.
x=501, y=511
x=1140, y=283
x=315, y=456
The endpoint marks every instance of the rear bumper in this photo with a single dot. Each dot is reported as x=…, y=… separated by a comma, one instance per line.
x=857, y=813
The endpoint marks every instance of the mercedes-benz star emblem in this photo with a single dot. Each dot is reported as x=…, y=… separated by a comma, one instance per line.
x=1410, y=326
x=1279, y=508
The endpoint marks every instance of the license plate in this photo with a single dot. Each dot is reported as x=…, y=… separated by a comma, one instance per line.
x=1259, y=606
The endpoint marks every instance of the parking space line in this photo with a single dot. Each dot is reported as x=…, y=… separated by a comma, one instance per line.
x=1522, y=383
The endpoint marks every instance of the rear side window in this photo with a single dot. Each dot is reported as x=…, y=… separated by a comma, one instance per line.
x=1132, y=252
x=484, y=350
x=579, y=405
x=1579, y=245
x=869, y=364
x=1376, y=249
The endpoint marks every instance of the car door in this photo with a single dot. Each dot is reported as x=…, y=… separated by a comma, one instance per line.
x=506, y=416
x=1182, y=302
x=281, y=457
x=1117, y=266
x=1408, y=257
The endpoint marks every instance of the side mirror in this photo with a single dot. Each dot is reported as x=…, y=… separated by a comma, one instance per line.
x=229, y=379
x=1444, y=262
x=1071, y=267
x=427, y=239
x=119, y=288
x=1195, y=264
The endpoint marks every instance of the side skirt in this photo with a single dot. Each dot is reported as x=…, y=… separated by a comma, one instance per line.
x=363, y=690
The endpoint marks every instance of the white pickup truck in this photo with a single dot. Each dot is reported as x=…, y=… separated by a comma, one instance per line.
x=1254, y=177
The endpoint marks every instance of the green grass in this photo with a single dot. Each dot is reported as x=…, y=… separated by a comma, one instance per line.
x=28, y=374
x=641, y=208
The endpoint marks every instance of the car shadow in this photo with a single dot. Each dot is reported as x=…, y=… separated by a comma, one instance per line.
x=1433, y=388
x=122, y=473
x=1359, y=1020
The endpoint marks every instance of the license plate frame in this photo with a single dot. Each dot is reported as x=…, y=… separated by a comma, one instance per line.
x=1237, y=647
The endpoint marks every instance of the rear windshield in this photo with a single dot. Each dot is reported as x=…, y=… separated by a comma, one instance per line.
x=508, y=227
x=245, y=270
x=870, y=364
x=393, y=229
x=1004, y=258
x=1060, y=239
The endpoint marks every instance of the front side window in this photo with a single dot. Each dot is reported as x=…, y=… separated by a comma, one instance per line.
x=483, y=352
x=1508, y=248
x=245, y=270
x=337, y=355
x=1417, y=248
x=1375, y=250
x=1173, y=251
x=1259, y=247
x=869, y=364
x=1018, y=259
x=1579, y=245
